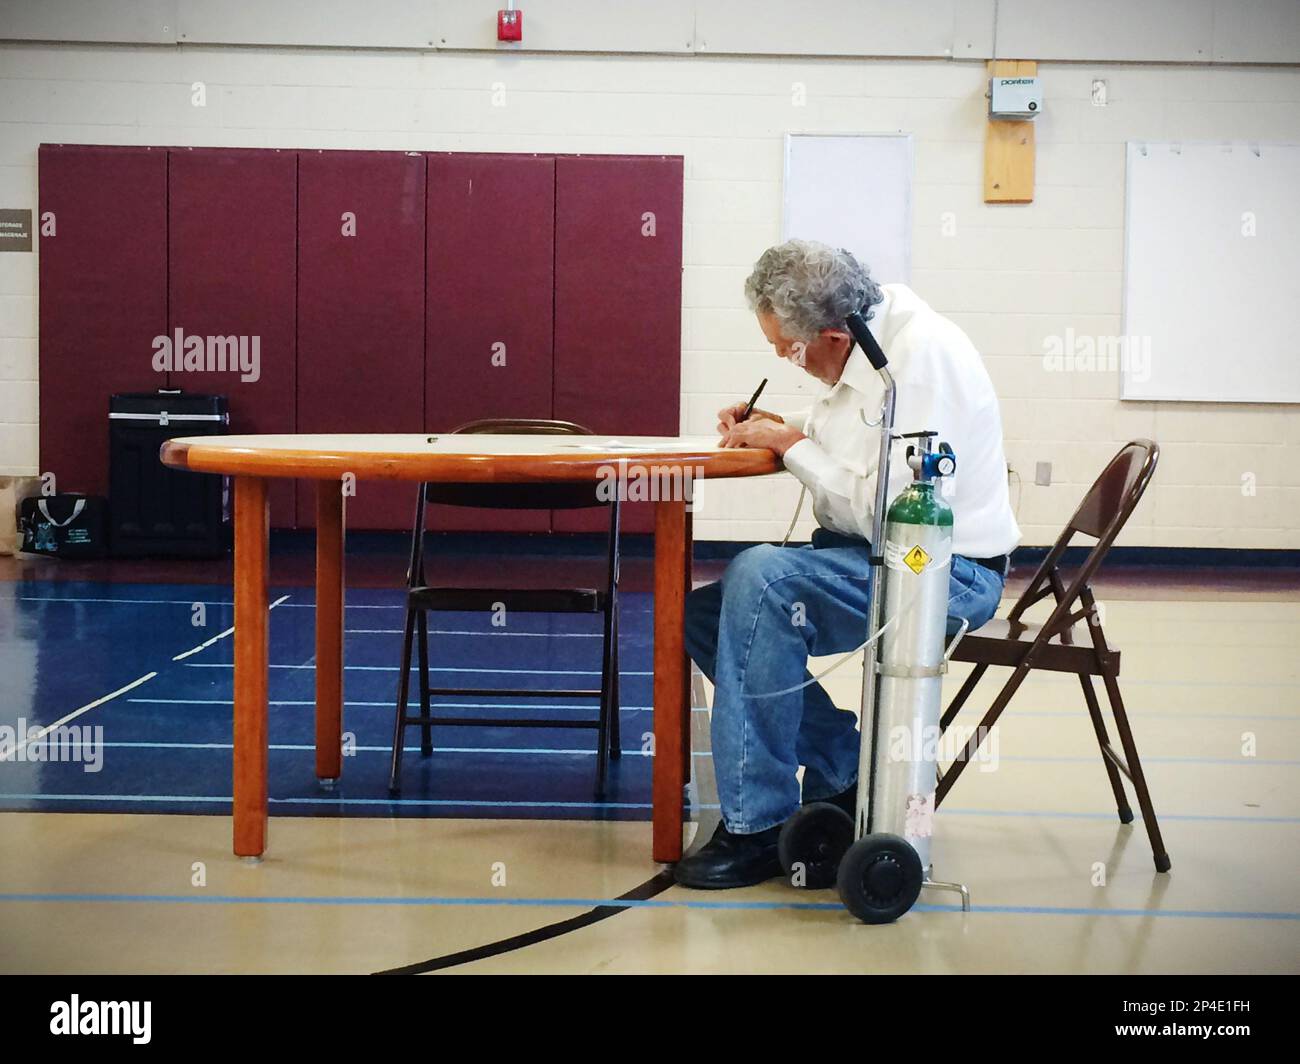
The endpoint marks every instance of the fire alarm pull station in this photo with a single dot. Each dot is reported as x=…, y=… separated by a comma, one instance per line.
x=510, y=24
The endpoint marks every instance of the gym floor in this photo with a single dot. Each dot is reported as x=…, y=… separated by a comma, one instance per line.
x=128, y=868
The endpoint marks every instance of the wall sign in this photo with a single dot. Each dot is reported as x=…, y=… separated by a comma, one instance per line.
x=15, y=230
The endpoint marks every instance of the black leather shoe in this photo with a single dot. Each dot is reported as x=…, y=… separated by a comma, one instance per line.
x=729, y=860
x=846, y=800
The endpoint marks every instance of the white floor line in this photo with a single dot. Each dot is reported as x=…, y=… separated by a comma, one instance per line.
x=623, y=607
x=75, y=714
x=122, y=601
x=446, y=668
x=453, y=631
x=222, y=635
x=388, y=703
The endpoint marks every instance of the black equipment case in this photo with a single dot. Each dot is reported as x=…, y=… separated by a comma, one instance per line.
x=156, y=511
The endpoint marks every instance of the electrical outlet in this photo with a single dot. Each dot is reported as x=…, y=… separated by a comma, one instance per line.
x=1043, y=474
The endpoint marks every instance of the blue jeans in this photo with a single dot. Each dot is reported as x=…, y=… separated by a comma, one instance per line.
x=741, y=633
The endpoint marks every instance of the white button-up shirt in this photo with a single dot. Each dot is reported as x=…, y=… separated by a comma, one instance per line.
x=941, y=385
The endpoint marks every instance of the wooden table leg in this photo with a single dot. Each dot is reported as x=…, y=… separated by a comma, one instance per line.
x=671, y=687
x=687, y=565
x=252, y=569
x=329, y=629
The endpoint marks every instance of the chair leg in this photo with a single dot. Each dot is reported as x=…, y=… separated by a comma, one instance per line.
x=688, y=761
x=426, y=729
x=403, y=690
x=1103, y=740
x=1158, y=852
x=602, y=761
x=608, y=663
x=959, y=699
x=615, y=734
x=967, y=755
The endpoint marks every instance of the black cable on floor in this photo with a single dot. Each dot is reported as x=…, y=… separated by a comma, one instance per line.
x=656, y=885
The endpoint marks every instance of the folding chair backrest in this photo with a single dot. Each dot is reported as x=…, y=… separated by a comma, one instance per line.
x=543, y=495
x=523, y=426
x=1102, y=514
x=1116, y=492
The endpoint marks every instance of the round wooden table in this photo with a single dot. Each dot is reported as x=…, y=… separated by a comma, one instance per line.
x=663, y=462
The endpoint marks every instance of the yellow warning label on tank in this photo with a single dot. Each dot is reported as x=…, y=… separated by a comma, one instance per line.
x=916, y=559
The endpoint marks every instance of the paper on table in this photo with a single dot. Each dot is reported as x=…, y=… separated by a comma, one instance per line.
x=614, y=445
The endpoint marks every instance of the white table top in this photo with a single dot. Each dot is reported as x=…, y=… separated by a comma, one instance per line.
x=457, y=456
x=457, y=443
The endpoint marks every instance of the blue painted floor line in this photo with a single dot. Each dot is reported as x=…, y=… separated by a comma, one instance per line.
x=453, y=803
x=1062, y=815
x=1140, y=716
x=1242, y=762
x=516, y=804
x=652, y=903
x=1081, y=712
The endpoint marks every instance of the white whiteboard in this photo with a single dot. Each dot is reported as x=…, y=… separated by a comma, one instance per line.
x=852, y=191
x=1212, y=272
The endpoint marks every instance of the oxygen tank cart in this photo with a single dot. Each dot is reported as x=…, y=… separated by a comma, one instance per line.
x=881, y=861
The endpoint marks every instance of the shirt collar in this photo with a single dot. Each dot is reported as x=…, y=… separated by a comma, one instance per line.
x=858, y=373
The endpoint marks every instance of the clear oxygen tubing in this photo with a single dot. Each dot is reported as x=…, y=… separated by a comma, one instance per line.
x=907, y=606
x=870, y=641
x=798, y=508
x=875, y=609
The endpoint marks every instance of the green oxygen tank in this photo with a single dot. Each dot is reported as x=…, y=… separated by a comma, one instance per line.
x=917, y=557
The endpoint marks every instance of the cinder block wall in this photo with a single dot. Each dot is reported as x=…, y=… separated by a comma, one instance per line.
x=1011, y=276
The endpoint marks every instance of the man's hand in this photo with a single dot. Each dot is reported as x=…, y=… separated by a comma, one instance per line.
x=729, y=417
x=762, y=432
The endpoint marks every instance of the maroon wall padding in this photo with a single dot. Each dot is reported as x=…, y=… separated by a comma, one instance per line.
x=390, y=330
x=491, y=280
x=103, y=298
x=618, y=299
x=361, y=312
x=232, y=240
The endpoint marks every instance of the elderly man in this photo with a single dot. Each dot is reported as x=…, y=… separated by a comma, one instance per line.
x=753, y=632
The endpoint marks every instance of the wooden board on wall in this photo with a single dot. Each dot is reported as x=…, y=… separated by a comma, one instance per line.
x=103, y=298
x=490, y=291
x=361, y=311
x=1009, y=145
x=232, y=272
x=618, y=288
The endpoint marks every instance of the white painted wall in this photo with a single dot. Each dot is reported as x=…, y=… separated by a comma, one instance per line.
x=1011, y=276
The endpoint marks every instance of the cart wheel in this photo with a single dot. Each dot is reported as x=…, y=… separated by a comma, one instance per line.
x=880, y=878
x=812, y=844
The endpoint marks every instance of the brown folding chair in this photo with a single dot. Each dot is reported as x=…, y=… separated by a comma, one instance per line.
x=422, y=599
x=1023, y=646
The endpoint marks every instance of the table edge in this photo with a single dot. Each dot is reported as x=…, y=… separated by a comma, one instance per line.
x=466, y=468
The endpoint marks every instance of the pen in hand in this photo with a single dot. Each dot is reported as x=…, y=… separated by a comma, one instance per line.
x=749, y=408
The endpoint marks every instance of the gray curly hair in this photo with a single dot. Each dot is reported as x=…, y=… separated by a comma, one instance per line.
x=809, y=287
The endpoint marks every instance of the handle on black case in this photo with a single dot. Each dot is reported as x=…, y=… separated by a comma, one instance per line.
x=858, y=327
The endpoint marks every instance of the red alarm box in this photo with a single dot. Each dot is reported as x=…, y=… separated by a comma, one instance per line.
x=510, y=25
